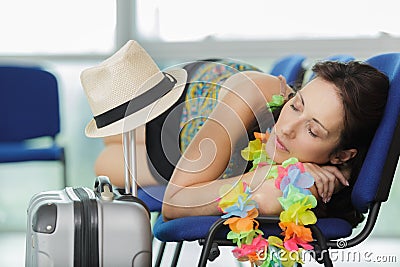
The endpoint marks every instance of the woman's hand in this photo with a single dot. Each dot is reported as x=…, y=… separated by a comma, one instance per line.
x=327, y=179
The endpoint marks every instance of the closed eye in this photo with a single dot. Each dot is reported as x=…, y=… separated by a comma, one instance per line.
x=296, y=108
x=297, y=103
x=311, y=133
x=293, y=107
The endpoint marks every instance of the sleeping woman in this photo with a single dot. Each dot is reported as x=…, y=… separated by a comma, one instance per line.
x=327, y=125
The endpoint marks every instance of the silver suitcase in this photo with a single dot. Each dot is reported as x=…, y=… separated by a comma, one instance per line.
x=82, y=227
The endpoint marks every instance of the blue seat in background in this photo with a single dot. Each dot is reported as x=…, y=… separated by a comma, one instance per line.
x=341, y=58
x=291, y=67
x=370, y=191
x=29, y=105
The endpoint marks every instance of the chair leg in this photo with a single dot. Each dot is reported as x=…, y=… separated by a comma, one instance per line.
x=327, y=260
x=205, y=252
x=177, y=253
x=208, y=243
x=323, y=247
x=160, y=254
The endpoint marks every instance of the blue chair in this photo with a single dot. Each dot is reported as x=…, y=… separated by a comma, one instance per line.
x=29, y=106
x=339, y=57
x=291, y=67
x=152, y=195
x=370, y=191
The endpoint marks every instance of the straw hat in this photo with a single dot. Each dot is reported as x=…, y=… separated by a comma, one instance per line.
x=128, y=90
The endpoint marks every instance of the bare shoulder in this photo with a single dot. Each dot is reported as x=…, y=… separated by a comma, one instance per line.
x=254, y=82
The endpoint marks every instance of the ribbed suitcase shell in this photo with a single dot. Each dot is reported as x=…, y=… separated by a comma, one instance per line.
x=58, y=236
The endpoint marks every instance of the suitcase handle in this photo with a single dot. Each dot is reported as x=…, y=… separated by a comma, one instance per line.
x=130, y=166
x=100, y=183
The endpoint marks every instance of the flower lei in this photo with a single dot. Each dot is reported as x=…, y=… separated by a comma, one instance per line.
x=296, y=201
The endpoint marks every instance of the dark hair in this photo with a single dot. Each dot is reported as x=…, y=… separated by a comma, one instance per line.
x=363, y=91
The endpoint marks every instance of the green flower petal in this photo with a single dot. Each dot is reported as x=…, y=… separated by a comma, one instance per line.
x=311, y=201
x=289, y=161
x=293, y=196
x=273, y=172
x=276, y=102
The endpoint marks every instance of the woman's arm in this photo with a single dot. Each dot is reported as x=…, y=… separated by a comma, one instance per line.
x=194, y=187
x=200, y=199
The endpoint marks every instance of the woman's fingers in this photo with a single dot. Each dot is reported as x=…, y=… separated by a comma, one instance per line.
x=328, y=179
x=331, y=187
x=338, y=174
x=325, y=179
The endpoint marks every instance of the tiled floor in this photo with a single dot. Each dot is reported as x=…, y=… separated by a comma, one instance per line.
x=372, y=253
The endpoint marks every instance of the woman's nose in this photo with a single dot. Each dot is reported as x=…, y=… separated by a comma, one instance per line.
x=289, y=130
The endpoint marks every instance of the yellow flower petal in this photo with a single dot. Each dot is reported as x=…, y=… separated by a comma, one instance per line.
x=231, y=195
x=307, y=217
x=275, y=241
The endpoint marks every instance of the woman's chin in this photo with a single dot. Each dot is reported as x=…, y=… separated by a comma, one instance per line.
x=280, y=157
x=276, y=154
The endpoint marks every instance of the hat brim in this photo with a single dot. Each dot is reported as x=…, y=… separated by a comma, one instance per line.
x=144, y=115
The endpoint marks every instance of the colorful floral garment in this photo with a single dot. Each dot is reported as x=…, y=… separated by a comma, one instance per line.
x=202, y=95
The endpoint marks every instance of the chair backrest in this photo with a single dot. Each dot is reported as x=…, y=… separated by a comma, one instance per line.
x=378, y=161
x=340, y=58
x=29, y=104
x=291, y=67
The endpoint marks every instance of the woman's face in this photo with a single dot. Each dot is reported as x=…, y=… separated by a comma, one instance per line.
x=309, y=125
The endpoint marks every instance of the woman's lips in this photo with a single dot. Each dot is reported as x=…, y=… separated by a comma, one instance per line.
x=280, y=145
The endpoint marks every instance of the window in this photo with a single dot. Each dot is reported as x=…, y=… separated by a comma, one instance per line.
x=57, y=27
x=180, y=20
